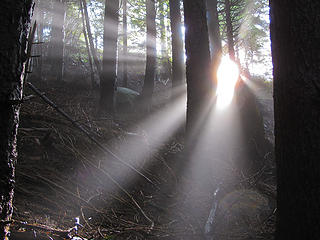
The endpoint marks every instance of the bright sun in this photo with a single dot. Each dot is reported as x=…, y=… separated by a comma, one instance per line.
x=228, y=73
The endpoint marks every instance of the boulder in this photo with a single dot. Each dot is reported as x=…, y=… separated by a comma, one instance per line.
x=125, y=99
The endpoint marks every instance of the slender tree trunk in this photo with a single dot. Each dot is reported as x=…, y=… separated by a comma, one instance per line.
x=177, y=43
x=148, y=85
x=295, y=36
x=163, y=45
x=15, y=19
x=125, y=45
x=109, y=62
x=213, y=28
x=95, y=41
x=57, y=39
x=40, y=38
x=229, y=30
x=87, y=45
x=199, y=85
x=92, y=48
x=214, y=38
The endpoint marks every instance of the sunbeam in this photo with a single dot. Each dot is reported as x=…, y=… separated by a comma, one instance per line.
x=158, y=128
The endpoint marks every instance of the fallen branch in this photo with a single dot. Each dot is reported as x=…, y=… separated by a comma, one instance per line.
x=209, y=227
x=64, y=234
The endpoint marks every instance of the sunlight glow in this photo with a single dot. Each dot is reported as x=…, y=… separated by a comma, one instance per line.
x=228, y=74
x=139, y=146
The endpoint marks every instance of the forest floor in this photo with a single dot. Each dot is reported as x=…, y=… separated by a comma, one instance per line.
x=62, y=175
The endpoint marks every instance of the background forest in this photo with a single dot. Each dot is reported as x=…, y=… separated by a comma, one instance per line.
x=60, y=28
x=106, y=147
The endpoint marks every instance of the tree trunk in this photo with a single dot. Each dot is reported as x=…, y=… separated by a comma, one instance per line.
x=295, y=36
x=15, y=19
x=163, y=73
x=213, y=28
x=163, y=45
x=57, y=39
x=125, y=45
x=177, y=43
x=92, y=48
x=229, y=30
x=214, y=38
x=109, y=62
x=199, y=85
x=87, y=45
x=40, y=38
x=151, y=53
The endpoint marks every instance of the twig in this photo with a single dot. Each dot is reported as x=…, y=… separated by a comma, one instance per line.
x=82, y=214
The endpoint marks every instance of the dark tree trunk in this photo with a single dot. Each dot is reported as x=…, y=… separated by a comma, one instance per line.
x=214, y=38
x=125, y=45
x=148, y=85
x=15, y=18
x=229, y=30
x=199, y=85
x=295, y=36
x=213, y=28
x=109, y=62
x=57, y=39
x=92, y=48
x=177, y=43
x=84, y=30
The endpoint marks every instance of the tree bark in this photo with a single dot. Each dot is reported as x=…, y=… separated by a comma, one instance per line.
x=125, y=45
x=177, y=43
x=295, y=36
x=57, y=40
x=229, y=30
x=151, y=53
x=15, y=21
x=109, y=61
x=199, y=85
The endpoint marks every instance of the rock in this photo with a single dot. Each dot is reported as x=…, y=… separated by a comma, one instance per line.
x=125, y=99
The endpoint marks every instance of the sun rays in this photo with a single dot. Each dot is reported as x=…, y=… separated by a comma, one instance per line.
x=228, y=73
